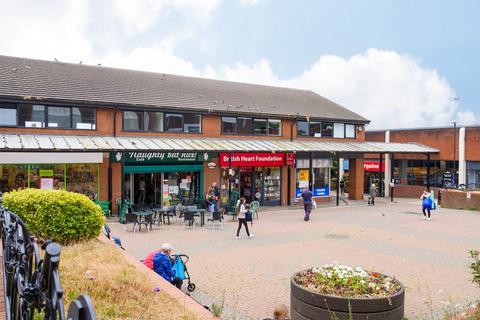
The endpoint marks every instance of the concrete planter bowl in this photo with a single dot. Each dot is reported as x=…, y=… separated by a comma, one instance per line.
x=309, y=305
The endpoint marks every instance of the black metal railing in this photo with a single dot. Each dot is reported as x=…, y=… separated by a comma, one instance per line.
x=32, y=284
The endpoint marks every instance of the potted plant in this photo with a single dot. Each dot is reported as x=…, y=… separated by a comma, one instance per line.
x=336, y=291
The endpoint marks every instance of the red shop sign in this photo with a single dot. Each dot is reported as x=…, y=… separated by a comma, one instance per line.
x=373, y=166
x=266, y=159
x=290, y=159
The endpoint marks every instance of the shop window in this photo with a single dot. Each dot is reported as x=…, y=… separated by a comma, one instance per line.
x=274, y=127
x=83, y=118
x=260, y=126
x=154, y=121
x=271, y=184
x=31, y=116
x=59, y=117
x=229, y=125
x=349, y=131
x=8, y=115
x=302, y=128
x=83, y=178
x=13, y=177
x=327, y=129
x=192, y=123
x=47, y=176
x=321, y=178
x=339, y=130
x=173, y=122
x=133, y=120
x=314, y=129
x=244, y=125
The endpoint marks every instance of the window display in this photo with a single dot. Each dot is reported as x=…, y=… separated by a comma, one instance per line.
x=13, y=177
x=271, y=184
x=83, y=178
x=47, y=176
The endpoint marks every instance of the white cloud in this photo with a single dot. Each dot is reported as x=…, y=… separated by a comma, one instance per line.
x=466, y=118
x=390, y=89
x=45, y=31
x=159, y=58
x=137, y=16
x=250, y=3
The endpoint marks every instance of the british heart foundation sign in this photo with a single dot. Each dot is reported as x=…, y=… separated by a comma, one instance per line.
x=266, y=159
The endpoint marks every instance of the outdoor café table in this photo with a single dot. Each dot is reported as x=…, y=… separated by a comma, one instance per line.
x=141, y=214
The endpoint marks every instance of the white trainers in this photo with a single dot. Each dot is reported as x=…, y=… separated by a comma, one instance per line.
x=237, y=237
x=424, y=218
x=428, y=219
x=251, y=236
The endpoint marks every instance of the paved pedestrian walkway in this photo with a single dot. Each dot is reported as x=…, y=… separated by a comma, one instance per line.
x=429, y=257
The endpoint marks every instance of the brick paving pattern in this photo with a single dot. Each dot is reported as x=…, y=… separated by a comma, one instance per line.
x=429, y=257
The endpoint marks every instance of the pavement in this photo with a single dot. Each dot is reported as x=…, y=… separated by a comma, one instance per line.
x=253, y=275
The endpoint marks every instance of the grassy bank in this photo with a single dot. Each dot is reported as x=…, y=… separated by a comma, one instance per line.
x=117, y=289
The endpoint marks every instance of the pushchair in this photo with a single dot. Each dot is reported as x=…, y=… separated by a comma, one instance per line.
x=181, y=271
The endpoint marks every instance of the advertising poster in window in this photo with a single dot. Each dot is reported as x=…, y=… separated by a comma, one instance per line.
x=46, y=183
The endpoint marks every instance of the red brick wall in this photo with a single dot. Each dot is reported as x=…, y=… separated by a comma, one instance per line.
x=441, y=139
x=356, y=179
x=456, y=199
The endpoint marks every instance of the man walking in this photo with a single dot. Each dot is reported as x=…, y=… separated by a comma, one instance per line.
x=307, y=203
x=216, y=194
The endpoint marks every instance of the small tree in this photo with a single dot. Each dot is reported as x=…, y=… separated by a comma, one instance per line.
x=475, y=266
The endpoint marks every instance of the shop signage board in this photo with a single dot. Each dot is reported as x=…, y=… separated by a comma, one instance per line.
x=290, y=159
x=448, y=180
x=373, y=166
x=162, y=157
x=265, y=159
x=317, y=192
x=46, y=172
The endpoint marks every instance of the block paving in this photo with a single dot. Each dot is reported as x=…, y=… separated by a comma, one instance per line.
x=253, y=275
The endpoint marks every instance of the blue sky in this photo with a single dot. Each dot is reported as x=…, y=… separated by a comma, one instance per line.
x=399, y=63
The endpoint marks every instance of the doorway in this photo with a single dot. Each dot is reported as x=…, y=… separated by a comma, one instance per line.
x=246, y=183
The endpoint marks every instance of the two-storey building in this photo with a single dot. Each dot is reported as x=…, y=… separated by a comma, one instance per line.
x=160, y=139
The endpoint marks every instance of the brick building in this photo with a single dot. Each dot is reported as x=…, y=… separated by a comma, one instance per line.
x=162, y=139
x=456, y=163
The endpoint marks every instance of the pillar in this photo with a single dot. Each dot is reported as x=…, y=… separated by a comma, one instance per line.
x=341, y=172
x=356, y=178
x=388, y=165
x=462, y=165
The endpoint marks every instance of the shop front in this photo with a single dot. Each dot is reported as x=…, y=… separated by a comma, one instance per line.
x=318, y=175
x=254, y=176
x=372, y=173
x=76, y=172
x=163, y=178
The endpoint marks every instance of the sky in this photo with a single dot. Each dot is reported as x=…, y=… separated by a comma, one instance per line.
x=400, y=64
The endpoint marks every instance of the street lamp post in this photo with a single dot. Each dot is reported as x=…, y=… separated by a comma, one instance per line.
x=454, y=151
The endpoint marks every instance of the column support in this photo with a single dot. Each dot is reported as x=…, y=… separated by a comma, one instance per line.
x=338, y=179
x=428, y=171
x=462, y=165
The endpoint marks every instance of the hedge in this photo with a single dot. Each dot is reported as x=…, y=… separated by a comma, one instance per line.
x=58, y=215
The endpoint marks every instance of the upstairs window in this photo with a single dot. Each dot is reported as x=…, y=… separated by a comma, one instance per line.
x=31, y=116
x=350, y=131
x=249, y=126
x=154, y=121
x=133, y=120
x=309, y=129
x=327, y=129
x=173, y=122
x=8, y=115
x=59, y=117
x=229, y=125
x=83, y=118
x=339, y=130
x=192, y=123
x=260, y=126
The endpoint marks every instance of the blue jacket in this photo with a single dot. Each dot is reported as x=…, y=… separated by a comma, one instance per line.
x=163, y=266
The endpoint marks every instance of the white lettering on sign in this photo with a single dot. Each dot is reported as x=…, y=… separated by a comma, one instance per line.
x=143, y=156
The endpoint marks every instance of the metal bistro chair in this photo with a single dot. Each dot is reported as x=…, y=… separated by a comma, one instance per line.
x=147, y=221
x=254, y=205
x=189, y=217
x=216, y=216
x=130, y=218
x=158, y=219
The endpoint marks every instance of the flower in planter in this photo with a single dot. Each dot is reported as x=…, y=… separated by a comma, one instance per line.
x=340, y=280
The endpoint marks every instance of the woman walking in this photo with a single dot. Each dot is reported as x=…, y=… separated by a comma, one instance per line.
x=242, y=219
x=372, y=193
x=426, y=204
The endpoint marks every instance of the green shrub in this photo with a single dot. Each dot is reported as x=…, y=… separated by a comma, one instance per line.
x=59, y=215
x=475, y=266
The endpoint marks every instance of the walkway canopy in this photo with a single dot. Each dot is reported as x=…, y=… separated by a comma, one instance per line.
x=53, y=143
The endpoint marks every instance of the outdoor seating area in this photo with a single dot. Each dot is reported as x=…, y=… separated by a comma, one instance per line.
x=147, y=217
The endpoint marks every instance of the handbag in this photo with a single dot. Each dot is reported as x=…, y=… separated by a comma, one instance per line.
x=248, y=216
x=314, y=204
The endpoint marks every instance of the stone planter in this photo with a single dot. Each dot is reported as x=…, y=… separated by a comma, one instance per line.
x=309, y=305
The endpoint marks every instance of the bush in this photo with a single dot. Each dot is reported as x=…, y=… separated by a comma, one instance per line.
x=475, y=266
x=59, y=215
